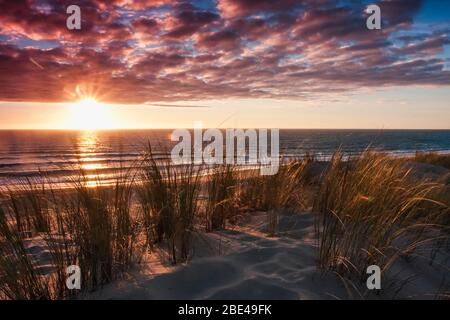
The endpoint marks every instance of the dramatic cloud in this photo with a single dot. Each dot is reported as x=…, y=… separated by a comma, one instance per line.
x=159, y=50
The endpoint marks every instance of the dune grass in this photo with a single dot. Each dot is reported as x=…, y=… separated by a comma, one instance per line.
x=18, y=277
x=91, y=227
x=284, y=190
x=221, y=197
x=169, y=197
x=371, y=212
x=433, y=158
x=100, y=223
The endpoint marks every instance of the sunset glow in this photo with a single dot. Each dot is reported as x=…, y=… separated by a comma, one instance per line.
x=89, y=114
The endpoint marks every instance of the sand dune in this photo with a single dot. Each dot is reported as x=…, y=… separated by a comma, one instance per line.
x=241, y=264
x=246, y=264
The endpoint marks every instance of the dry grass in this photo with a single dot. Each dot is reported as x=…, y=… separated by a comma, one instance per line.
x=272, y=194
x=91, y=227
x=221, y=197
x=102, y=227
x=169, y=197
x=284, y=190
x=433, y=158
x=372, y=212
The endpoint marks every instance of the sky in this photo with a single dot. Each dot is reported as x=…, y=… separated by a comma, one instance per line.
x=225, y=63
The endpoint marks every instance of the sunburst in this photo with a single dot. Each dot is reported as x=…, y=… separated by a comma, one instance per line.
x=88, y=112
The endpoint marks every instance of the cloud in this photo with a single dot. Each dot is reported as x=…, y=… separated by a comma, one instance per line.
x=233, y=8
x=165, y=105
x=160, y=50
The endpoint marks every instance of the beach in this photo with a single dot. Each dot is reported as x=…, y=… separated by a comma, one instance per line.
x=102, y=154
x=233, y=234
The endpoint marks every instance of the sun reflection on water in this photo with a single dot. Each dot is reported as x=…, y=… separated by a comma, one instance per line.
x=88, y=146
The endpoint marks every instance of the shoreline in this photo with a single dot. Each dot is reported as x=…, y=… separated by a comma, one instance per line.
x=109, y=179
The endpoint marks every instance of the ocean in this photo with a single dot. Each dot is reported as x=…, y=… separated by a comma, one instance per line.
x=24, y=154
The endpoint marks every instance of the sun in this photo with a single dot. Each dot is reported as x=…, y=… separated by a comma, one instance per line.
x=89, y=114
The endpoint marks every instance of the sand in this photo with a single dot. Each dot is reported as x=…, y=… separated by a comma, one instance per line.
x=238, y=264
x=246, y=264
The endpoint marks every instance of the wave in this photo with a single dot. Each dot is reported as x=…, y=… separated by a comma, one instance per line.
x=60, y=155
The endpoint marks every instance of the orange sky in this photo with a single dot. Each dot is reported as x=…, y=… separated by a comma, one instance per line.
x=421, y=108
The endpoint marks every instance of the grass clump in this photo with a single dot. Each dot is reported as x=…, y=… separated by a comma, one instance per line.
x=88, y=226
x=19, y=278
x=221, y=195
x=169, y=197
x=433, y=158
x=100, y=223
x=370, y=211
x=273, y=193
